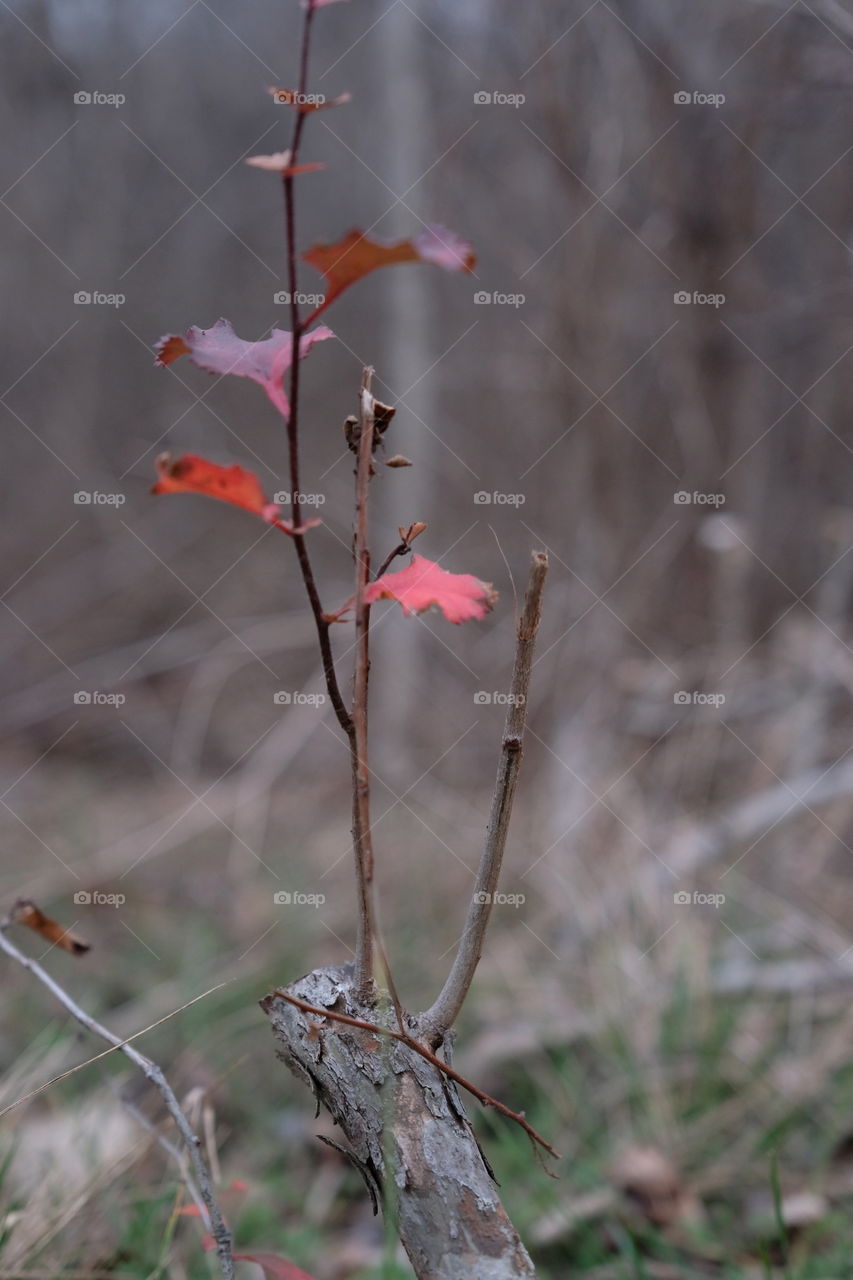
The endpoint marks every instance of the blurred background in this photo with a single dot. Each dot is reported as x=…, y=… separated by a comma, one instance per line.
x=649, y=376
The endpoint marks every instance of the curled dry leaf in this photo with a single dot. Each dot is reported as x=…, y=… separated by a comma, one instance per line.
x=460, y=596
x=356, y=255
x=279, y=162
x=193, y=474
x=27, y=913
x=219, y=350
x=414, y=531
x=399, y=461
x=382, y=415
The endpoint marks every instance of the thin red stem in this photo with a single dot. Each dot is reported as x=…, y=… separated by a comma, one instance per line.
x=305, y=566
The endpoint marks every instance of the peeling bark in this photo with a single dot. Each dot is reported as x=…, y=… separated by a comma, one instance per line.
x=407, y=1131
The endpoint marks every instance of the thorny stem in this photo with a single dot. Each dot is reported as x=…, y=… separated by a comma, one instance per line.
x=154, y=1074
x=418, y=1047
x=306, y=568
x=444, y=1012
x=362, y=840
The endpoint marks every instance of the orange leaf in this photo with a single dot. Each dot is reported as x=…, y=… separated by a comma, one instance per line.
x=356, y=255
x=460, y=596
x=192, y=474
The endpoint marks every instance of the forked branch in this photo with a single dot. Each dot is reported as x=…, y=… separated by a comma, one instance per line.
x=444, y=1012
x=444, y=1067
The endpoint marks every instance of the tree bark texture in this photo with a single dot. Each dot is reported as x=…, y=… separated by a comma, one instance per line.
x=406, y=1130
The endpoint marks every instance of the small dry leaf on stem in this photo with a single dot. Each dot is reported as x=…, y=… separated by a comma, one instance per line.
x=25, y=912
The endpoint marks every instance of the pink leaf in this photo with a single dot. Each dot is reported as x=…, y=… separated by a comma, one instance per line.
x=460, y=596
x=219, y=350
x=279, y=162
x=444, y=249
x=274, y=1267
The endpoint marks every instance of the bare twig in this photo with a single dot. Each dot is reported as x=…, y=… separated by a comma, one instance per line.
x=179, y=1157
x=154, y=1074
x=407, y=537
x=362, y=839
x=444, y=1012
x=401, y=549
x=418, y=1047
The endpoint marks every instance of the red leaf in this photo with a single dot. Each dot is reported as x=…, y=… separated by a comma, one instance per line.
x=219, y=350
x=460, y=596
x=356, y=255
x=274, y=1267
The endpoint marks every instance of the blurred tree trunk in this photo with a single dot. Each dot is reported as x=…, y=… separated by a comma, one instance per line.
x=407, y=352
